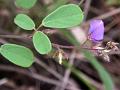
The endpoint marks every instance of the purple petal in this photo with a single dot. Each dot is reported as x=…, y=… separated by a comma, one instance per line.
x=96, y=30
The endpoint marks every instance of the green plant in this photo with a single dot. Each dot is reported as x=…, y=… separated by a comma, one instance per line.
x=60, y=18
x=65, y=16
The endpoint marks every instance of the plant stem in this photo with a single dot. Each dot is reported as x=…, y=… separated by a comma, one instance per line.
x=71, y=47
x=81, y=2
x=84, y=43
x=15, y=36
x=39, y=27
x=54, y=45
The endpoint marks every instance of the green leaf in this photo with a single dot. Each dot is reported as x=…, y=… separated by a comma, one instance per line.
x=24, y=22
x=17, y=54
x=26, y=4
x=64, y=17
x=41, y=43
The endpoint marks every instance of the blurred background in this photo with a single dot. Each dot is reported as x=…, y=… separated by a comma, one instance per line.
x=46, y=73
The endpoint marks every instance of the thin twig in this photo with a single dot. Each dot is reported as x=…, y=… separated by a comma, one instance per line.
x=114, y=52
x=15, y=36
x=54, y=45
x=33, y=75
x=72, y=47
x=50, y=70
x=86, y=8
x=108, y=14
x=96, y=11
x=62, y=46
x=105, y=15
x=81, y=2
x=68, y=71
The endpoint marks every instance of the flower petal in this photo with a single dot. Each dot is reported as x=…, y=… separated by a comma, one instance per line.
x=96, y=30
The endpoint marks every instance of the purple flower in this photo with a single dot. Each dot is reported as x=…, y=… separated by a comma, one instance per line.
x=96, y=30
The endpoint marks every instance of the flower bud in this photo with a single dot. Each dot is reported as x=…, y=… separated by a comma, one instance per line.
x=96, y=31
